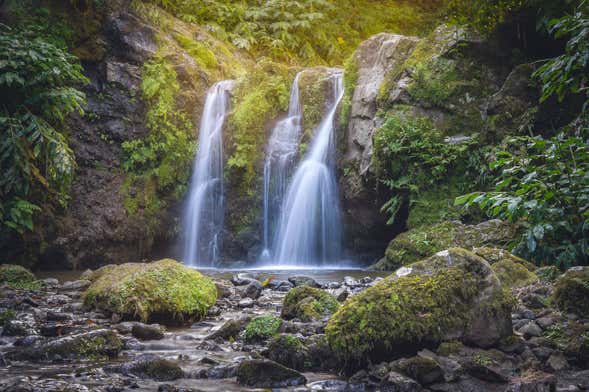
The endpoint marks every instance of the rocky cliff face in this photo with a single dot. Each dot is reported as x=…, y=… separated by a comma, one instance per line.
x=453, y=79
x=98, y=226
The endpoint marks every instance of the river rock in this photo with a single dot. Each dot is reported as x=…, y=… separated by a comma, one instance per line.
x=152, y=366
x=230, y=329
x=425, y=370
x=97, y=343
x=147, y=331
x=530, y=329
x=395, y=382
x=253, y=290
x=301, y=280
x=246, y=303
x=242, y=278
x=75, y=285
x=288, y=350
x=263, y=373
x=571, y=294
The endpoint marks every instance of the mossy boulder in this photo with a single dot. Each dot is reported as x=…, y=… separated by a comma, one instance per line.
x=572, y=291
x=97, y=344
x=164, y=291
x=154, y=367
x=511, y=270
x=453, y=295
x=424, y=241
x=262, y=328
x=17, y=276
x=308, y=303
x=288, y=350
x=547, y=274
x=262, y=373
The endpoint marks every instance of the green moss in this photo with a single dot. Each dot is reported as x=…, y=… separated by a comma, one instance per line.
x=258, y=98
x=571, y=293
x=512, y=275
x=434, y=82
x=262, y=328
x=161, y=370
x=350, y=82
x=397, y=313
x=288, y=350
x=313, y=91
x=438, y=295
x=308, y=303
x=198, y=51
x=164, y=290
x=6, y=316
x=18, y=277
x=547, y=274
x=424, y=241
x=158, y=166
x=448, y=348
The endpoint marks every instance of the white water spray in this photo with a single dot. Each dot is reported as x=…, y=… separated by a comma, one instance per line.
x=309, y=231
x=281, y=155
x=203, y=219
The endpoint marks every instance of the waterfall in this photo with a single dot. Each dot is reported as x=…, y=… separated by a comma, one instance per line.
x=281, y=155
x=203, y=218
x=309, y=228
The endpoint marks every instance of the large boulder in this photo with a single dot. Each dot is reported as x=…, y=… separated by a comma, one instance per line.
x=572, y=291
x=424, y=241
x=452, y=295
x=164, y=291
x=308, y=303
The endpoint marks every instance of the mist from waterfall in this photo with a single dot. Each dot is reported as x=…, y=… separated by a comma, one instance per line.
x=203, y=217
x=281, y=155
x=309, y=230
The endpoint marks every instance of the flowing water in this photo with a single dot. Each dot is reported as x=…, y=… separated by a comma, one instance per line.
x=281, y=155
x=309, y=228
x=203, y=218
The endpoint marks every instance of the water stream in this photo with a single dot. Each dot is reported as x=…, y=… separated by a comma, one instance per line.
x=203, y=217
x=309, y=230
x=281, y=155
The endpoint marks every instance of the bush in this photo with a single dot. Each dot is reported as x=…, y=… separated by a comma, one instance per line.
x=410, y=156
x=37, y=93
x=543, y=184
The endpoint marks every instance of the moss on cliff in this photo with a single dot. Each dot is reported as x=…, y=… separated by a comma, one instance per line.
x=164, y=291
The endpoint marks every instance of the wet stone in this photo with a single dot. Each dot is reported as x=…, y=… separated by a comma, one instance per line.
x=148, y=331
x=301, y=280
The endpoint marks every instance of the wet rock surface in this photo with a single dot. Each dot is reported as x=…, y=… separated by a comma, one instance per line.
x=49, y=342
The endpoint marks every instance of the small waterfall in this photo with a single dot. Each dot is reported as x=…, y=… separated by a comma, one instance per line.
x=203, y=218
x=309, y=229
x=281, y=155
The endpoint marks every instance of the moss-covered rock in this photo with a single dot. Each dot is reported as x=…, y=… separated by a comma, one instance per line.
x=164, y=291
x=98, y=344
x=424, y=241
x=451, y=295
x=547, y=274
x=513, y=275
x=572, y=291
x=262, y=328
x=288, y=350
x=308, y=303
x=267, y=374
x=17, y=277
x=152, y=366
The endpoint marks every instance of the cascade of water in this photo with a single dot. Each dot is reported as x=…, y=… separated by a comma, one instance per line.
x=281, y=154
x=309, y=228
x=203, y=218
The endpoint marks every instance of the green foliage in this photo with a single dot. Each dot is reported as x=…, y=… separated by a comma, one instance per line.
x=37, y=93
x=159, y=163
x=483, y=15
x=307, y=31
x=435, y=81
x=262, y=327
x=544, y=184
x=164, y=291
x=258, y=98
x=410, y=156
x=569, y=72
